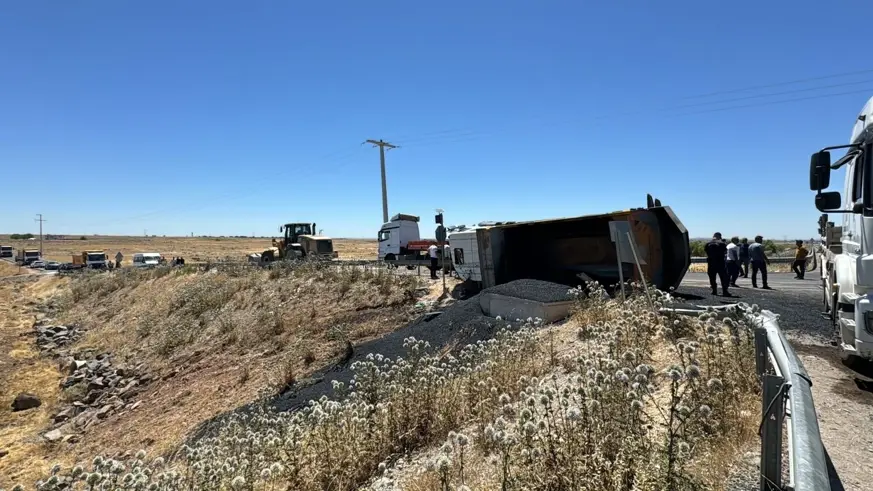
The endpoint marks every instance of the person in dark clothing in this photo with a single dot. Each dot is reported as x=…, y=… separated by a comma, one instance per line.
x=716, y=252
x=744, y=257
x=759, y=262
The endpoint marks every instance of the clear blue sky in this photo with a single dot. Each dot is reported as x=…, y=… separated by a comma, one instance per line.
x=227, y=117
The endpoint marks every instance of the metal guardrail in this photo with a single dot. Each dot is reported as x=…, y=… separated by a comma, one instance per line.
x=786, y=395
x=778, y=365
x=775, y=260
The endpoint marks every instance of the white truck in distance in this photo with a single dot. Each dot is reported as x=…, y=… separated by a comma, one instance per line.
x=395, y=236
x=846, y=253
x=146, y=260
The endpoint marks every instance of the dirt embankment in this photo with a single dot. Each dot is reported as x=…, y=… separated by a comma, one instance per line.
x=137, y=359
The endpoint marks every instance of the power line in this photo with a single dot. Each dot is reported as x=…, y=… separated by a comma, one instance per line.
x=665, y=111
x=778, y=84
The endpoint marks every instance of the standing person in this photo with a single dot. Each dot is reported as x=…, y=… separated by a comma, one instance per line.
x=434, y=261
x=716, y=252
x=759, y=262
x=799, y=265
x=744, y=257
x=118, y=258
x=733, y=260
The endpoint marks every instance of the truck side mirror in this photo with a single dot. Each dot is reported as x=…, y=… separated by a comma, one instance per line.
x=819, y=171
x=828, y=201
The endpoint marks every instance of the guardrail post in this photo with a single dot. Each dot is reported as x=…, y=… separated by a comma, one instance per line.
x=772, y=417
x=762, y=361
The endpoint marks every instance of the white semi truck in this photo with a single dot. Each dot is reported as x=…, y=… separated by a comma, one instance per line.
x=846, y=251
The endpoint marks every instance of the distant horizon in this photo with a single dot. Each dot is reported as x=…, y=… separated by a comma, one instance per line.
x=238, y=236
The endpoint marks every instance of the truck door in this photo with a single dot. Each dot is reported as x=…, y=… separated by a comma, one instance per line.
x=387, y=243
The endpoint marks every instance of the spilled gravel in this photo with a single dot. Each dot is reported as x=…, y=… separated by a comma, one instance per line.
x=454, y=325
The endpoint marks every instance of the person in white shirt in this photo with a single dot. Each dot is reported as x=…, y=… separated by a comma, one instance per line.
x=733, y=260
x=434, y=261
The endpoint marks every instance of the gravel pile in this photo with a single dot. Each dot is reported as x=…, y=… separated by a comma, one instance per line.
x=461, y=322
x=536, y=290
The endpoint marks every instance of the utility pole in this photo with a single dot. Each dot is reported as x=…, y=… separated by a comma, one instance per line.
x=382, y=145
x=40, y=220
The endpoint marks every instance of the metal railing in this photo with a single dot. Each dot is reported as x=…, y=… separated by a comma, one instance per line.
x=787, y=395
x=774, y=260
x=786, y=405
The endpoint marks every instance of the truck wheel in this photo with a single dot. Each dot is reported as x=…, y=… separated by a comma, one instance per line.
x=389, y=258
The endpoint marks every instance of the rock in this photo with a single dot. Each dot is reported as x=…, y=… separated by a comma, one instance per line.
x=25, y=401
x=135, y=405
x=104, y=411
x=128, y=390
x=92, y=398
x=3, y=453
x=95, y=384
x=53, y=435
x=66, y=414
x=70, y=439
x=75, y=365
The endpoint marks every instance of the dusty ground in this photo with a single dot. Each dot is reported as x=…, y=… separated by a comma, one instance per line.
x=22, y=455
x=191, y=248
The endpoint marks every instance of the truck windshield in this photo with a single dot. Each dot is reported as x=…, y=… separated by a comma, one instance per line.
x=31, y=254
x=95, y=257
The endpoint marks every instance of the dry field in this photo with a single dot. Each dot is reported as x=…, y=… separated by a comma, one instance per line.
x=533, y=408
x=202, y=344
x=193, y=249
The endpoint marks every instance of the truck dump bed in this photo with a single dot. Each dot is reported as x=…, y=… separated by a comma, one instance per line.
x=558, y=250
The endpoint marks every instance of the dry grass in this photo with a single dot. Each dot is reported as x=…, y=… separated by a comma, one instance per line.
x=213, y=340
x=634, y=400
x=22, y=370
x=193, y=249
x=559, y=431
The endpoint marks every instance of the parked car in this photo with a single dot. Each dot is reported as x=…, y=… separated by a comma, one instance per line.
x=52, y=265
x=37, y=265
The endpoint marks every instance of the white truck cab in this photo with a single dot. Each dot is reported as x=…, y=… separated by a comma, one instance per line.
x=394, y=236
x=465, y=254
x=846, y=252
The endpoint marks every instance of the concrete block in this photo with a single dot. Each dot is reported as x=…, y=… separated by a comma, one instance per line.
x=512, y=308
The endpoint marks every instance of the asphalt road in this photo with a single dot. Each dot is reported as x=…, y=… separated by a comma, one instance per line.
x=798, y=302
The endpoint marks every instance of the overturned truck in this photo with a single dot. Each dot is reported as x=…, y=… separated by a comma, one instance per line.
x=573, y=250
